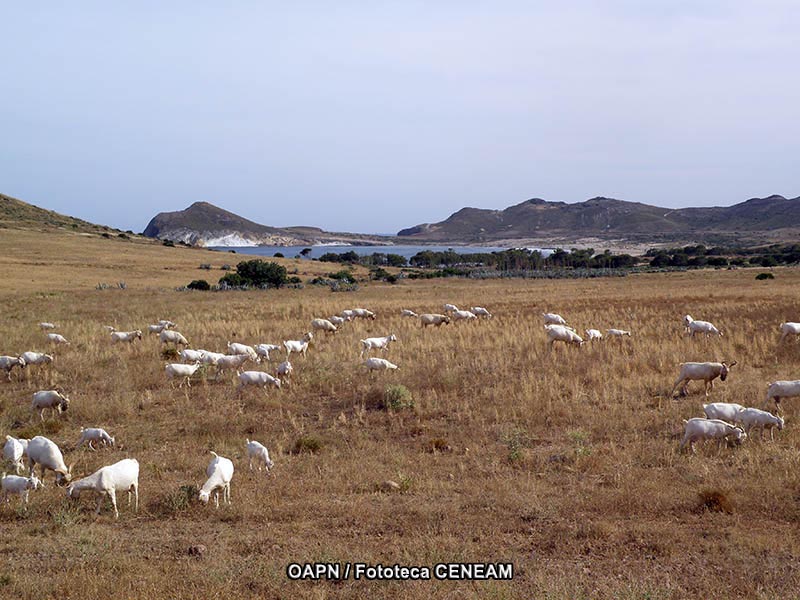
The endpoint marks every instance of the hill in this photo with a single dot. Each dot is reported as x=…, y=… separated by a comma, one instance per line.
x=204, y=224
x=756, y=219
x=16, y=214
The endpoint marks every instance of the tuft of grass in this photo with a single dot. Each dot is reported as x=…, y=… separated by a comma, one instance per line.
x=397, y=397
x=437, y=445
x=170, y=354
x=177, y=501
x=714, y=501
x=307, y=443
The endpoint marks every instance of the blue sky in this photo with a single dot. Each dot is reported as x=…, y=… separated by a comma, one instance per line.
x=376, y=116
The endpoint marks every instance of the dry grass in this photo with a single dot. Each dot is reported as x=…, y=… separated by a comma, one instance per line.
x=563, y=463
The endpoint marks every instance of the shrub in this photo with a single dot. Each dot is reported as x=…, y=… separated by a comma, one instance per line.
x=205, y=267
x=714, y=501
x=294, y=280
x=105, y=235
x=123, y=236
x=279, y=255
x=231, y=280
x=379, y=274
x=307, y=443
x=168, y=243
x=170, y=354
x=397, y=397
x=392, y=279
x=762, y=276
x=225, y=267
x=343, y=275
x=199, y=284
x=179, y=500
x=260, y=273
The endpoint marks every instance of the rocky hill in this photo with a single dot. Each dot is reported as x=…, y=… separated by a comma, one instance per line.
x=606, y=218
x=208, y=225
x=16, y=214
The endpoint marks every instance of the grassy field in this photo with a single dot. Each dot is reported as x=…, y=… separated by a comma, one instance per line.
x=564, y=463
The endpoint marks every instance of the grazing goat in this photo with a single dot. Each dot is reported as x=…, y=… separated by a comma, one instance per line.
x=300, y=346
x=724, y=411
x=433, y=319
x=14, y=484
x=379, y=364
x=408, y=313
x=9, y=362
x=57, y=338
x=259, y=453
x=184, y=372
x=285, y=370
x=593, y=334
x=706, y=371
x=94, y=434
x=553, y=319
x=167, y=336
x=210, y=358
x=46, y=453
x=323, y=325
x=14, y=450
x=363, y=313
x=106, y=481
x=36, y=358
x=192, y=356
x=753, y=417
x=52, y=399
x=376, y=343
x=705, y=327
x=480, y=312
x=46, y=325
x=450, y=308
x=125, y=336
x=230, y=361
x=463, y=315
x=219, y=473
x=617, y=333
x=782, y=389
x=560, y=333
x=257, y=378
x=348, y=315
x=337, y=320
x=243, y=350
x=698, y=429
x=788, y=329
x=263, y=350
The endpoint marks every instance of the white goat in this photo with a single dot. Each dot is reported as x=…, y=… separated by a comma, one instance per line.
x=788, y=329
x=230, y=361
x=617, y=333
x=45, y=325
x=52, y=399
x=754, y=417
x=125, y=336
x=323, y=325
x=122, y=476
x=698, y=429
x=157, y=328
x=463, y=315
x=219, y=473
x=593, y=334
x=724, y=411
x=57, y=338
x=300, y=346
x=363, y=313
x=14, y=484
x=109, y=328
x=192, y=356
x=9, y=362
x=257, y=378
x=14, y=450
x=182, y=371
x=706, y=371
x=244, y=350
x=36, y=358
x=259, y=453
x=46, y=454
x=553, y=319
x=210, y=358
x=284, y=370
x=687, y=319
x=167, y=336
x=449, y=308
x=167, y=323
x=480, y=312
x=433, y=319
x=94, y=434
x=701, y=327
x=560, y=333
x=379, y=364
x=348, y=315
x=376, y=343
x=782, y=389
x=263, y=350
x=337, y=320
x=408, y=313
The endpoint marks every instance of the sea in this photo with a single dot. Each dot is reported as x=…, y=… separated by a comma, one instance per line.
x=317, y=251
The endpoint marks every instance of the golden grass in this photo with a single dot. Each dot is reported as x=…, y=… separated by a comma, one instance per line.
x=564, y=463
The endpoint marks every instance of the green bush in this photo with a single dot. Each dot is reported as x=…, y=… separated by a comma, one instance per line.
x=199, y=284
x=168, y=243
x=307, y=443
x=231, y=280
x=397, y=397
x=262, y=274
x=343, y=275
x=762, y=276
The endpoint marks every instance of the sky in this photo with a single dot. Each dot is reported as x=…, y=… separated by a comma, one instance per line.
x=375, y=116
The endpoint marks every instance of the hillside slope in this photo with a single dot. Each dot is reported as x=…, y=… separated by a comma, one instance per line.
x=16, y=214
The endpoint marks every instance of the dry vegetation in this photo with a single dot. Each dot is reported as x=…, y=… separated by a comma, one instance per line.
x=563, y=463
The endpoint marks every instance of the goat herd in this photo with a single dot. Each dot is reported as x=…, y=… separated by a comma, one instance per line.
x=723, y=420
